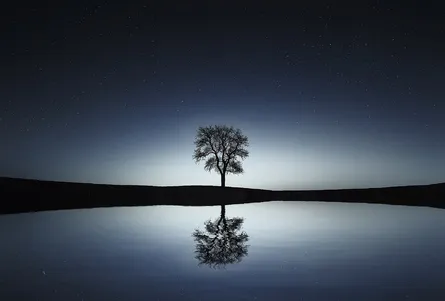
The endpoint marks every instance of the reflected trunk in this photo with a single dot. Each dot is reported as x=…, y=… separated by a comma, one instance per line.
x=223, y=212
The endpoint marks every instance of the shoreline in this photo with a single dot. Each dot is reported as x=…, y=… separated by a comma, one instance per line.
x=25, y=195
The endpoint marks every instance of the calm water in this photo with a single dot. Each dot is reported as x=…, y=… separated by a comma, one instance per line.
x=266, y=251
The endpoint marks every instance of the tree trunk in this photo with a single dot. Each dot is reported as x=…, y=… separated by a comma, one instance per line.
x=223, y=180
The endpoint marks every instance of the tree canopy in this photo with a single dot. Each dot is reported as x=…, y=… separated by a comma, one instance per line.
x=223, y=148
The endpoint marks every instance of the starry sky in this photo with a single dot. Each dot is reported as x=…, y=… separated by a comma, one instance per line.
x=332, y=94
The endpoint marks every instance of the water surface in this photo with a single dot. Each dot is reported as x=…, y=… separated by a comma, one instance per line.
x=273, y=251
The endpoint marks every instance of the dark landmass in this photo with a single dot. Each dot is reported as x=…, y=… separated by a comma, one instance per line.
x=23, y=195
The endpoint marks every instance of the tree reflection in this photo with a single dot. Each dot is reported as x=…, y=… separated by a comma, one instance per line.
x=222, y=242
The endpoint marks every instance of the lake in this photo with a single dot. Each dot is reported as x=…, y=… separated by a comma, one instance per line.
x=262, y=251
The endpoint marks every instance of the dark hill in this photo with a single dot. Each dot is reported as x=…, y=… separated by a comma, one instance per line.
x=23, y=195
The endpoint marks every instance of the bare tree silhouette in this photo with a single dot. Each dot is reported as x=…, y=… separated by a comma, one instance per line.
x=223, y=148
x=222, y=242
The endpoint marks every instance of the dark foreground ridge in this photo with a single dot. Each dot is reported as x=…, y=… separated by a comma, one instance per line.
x=23, y=195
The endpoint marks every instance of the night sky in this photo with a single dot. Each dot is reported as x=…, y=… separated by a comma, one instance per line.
x=331, y=94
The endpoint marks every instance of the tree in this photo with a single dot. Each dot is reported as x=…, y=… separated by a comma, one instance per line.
x=222, y=242
x=223, y=148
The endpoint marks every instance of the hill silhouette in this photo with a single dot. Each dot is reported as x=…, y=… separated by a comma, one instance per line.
x=26, y=195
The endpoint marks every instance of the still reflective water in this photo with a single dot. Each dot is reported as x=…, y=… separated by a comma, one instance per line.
x=265, y=251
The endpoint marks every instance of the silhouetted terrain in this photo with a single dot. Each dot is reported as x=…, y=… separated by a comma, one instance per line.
x=22, y=195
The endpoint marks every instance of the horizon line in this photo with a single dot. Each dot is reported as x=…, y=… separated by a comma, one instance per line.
x=197, y=185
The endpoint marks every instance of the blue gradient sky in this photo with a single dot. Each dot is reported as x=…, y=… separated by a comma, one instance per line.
x=330, y=95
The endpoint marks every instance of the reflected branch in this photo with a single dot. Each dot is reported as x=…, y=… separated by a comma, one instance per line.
x=222, y=242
